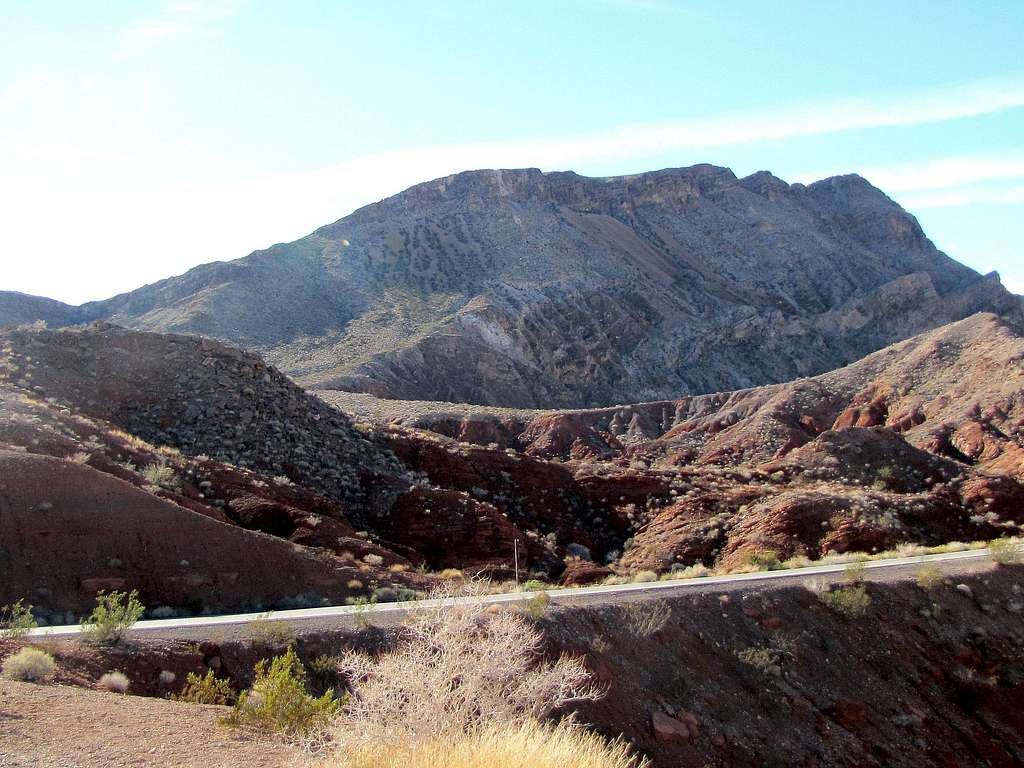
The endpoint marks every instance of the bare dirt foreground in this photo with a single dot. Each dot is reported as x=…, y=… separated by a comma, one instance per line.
x=58, y=726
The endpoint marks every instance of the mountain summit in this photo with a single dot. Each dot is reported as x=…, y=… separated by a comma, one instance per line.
x=523, y=288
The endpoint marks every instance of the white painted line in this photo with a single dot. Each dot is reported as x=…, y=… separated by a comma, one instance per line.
x=653, y=587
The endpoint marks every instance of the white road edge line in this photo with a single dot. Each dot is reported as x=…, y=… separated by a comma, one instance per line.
x=300, y=614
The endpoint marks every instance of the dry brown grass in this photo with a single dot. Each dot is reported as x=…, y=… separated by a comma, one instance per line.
x=520, y=745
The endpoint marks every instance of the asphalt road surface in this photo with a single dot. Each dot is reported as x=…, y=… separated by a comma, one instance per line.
x=345, y=616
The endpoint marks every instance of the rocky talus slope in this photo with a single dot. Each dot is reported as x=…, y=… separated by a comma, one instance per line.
x=522, y=288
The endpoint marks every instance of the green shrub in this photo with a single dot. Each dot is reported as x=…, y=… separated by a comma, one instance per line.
x=534, y=585
x=1004, y=551
x=851, y=602
x=361, y=614
x=115, y=613
x=265, y=632
x=279, y=704
x=537, y=605
x=29, y=665
x=207, y=689
x=16, y=621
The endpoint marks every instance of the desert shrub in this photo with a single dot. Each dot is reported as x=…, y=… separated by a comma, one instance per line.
x=362, y=612
x=206, y=689
x=394, y=594
x=928, y=577
x=115, y=613
x=534, y=585
x=265, y=632
x=854, y=572
x=851, y=602
x=372, y=559
x=16, y=621
x=516, y=745
x=643, y=577
x=537, y=605
x=166, y=678
x=454, y=669
x=763, y=560
x=115, y=682
x=1004, y=551
x=279, y=704
x=645, y=618
x=29, y=665
x=451, y=573
x=161, y=476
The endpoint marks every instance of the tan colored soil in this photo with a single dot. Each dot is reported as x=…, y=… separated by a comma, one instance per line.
x=55, y=726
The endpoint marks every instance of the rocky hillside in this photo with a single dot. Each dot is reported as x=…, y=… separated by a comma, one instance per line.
x=521, y=288
x=164, y=462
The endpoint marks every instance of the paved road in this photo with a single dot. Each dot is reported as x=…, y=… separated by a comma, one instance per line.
x=319, y=619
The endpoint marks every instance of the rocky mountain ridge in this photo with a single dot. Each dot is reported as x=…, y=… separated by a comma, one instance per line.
x=523, y=288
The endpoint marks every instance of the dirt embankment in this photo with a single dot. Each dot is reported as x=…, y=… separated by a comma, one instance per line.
x=926, y=677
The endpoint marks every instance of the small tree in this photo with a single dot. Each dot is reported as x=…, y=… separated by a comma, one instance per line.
x=115, y=613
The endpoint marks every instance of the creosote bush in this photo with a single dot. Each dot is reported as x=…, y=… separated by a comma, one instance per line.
x=538, y=605
x=454, y=670
x=515, y=745
x=29, y=665
x=279, y=703
x=205, y=689
x=763, y=560
x=16, y=621
x=851, y=602
x=115, y=613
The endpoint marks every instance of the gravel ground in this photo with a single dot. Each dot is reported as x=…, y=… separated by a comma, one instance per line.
x=55, y=726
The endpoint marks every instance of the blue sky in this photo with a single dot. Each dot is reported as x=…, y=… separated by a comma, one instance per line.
x=138, y=139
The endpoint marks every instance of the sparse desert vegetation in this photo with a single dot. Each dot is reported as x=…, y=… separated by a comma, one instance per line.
x=115, y=613
x=29, y=665
x=16, y=620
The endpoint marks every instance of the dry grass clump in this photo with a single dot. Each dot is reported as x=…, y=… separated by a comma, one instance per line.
x=457, y=669
x=515, y=745
x=645, y=618
x=115, y=682
x=29, y=665
x=928, y=577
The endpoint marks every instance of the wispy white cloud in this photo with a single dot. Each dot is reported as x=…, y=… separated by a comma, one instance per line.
x=179, y=19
